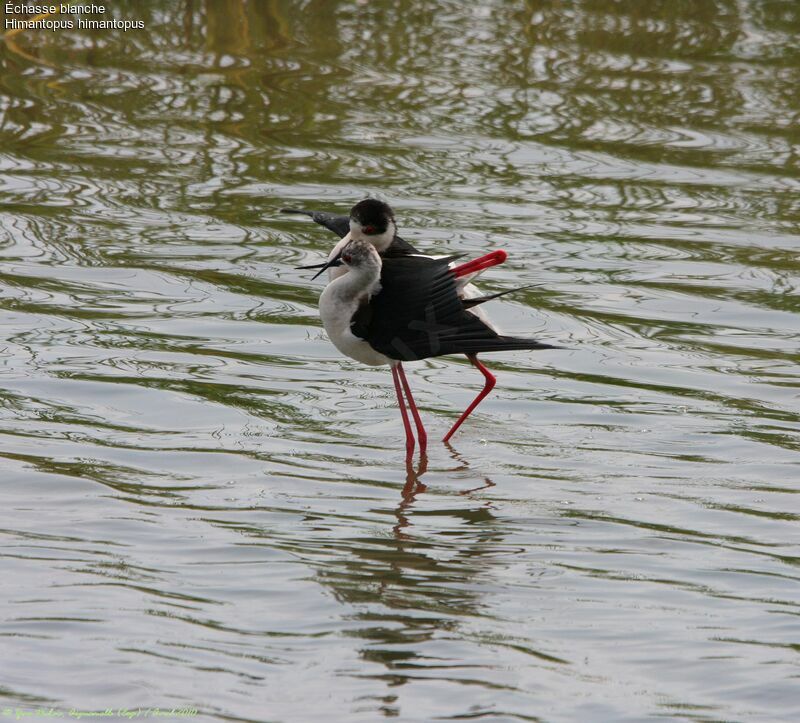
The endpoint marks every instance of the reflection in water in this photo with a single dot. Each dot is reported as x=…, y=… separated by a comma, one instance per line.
x=197, y=510
x=411, y=489
x=421, y=588
x=463, y=466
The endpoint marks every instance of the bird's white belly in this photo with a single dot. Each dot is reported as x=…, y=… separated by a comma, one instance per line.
x=350, y=345
x=336, y=314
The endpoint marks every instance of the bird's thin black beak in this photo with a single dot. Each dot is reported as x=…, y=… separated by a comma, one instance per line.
x=336, y=261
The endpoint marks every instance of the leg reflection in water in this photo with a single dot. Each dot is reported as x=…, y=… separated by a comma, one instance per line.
x=411, y=489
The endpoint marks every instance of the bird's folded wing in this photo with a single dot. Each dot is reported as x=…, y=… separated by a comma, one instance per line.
x=418, y=314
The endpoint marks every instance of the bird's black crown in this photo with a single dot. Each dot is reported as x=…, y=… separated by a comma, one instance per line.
x=373, y=215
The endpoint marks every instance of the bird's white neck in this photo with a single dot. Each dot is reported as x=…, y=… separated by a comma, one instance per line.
x=334, y=272
x=357, y=283
x=380, y=241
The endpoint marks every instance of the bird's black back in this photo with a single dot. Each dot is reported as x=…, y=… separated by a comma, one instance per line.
x=418, y=314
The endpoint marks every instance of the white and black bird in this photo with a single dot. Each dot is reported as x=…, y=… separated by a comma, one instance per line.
x=369, y=220
x=394, y=308
x=373, y=221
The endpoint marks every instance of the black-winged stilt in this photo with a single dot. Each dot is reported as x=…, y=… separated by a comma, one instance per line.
x=369, y=220
x=373, y=221
x=391, y=309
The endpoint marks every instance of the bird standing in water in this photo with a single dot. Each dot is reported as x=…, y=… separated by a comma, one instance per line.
x=386, y=304
x=373, y=221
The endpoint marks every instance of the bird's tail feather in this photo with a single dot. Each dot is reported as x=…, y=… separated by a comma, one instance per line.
x=474, y=301
x=500, y=343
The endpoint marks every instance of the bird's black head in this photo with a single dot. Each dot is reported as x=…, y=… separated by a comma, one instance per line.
x=372, y=217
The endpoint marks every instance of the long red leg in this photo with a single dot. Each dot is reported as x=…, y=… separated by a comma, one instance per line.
x=484, y=262
x=399, y=391
x=488, y=386
x=421, y=435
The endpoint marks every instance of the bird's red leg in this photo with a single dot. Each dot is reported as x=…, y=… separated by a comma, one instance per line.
x=399, y=391
x=421, y=435
x=487, y=387
x=480, y=264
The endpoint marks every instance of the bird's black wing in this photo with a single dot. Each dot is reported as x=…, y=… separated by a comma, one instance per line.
x=340, y=225
x=418, y=314
x=399, y=247
x=475, y=300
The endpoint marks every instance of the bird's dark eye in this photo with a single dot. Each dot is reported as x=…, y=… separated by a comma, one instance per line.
x=347, y=258
x=368, y=229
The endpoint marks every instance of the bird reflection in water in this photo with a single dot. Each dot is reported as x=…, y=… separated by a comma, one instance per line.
x=414, y=486
x=411, y=489
x=464, y=467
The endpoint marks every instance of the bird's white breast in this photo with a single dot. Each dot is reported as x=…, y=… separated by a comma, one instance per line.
x=334, y=272
x=336, y=308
